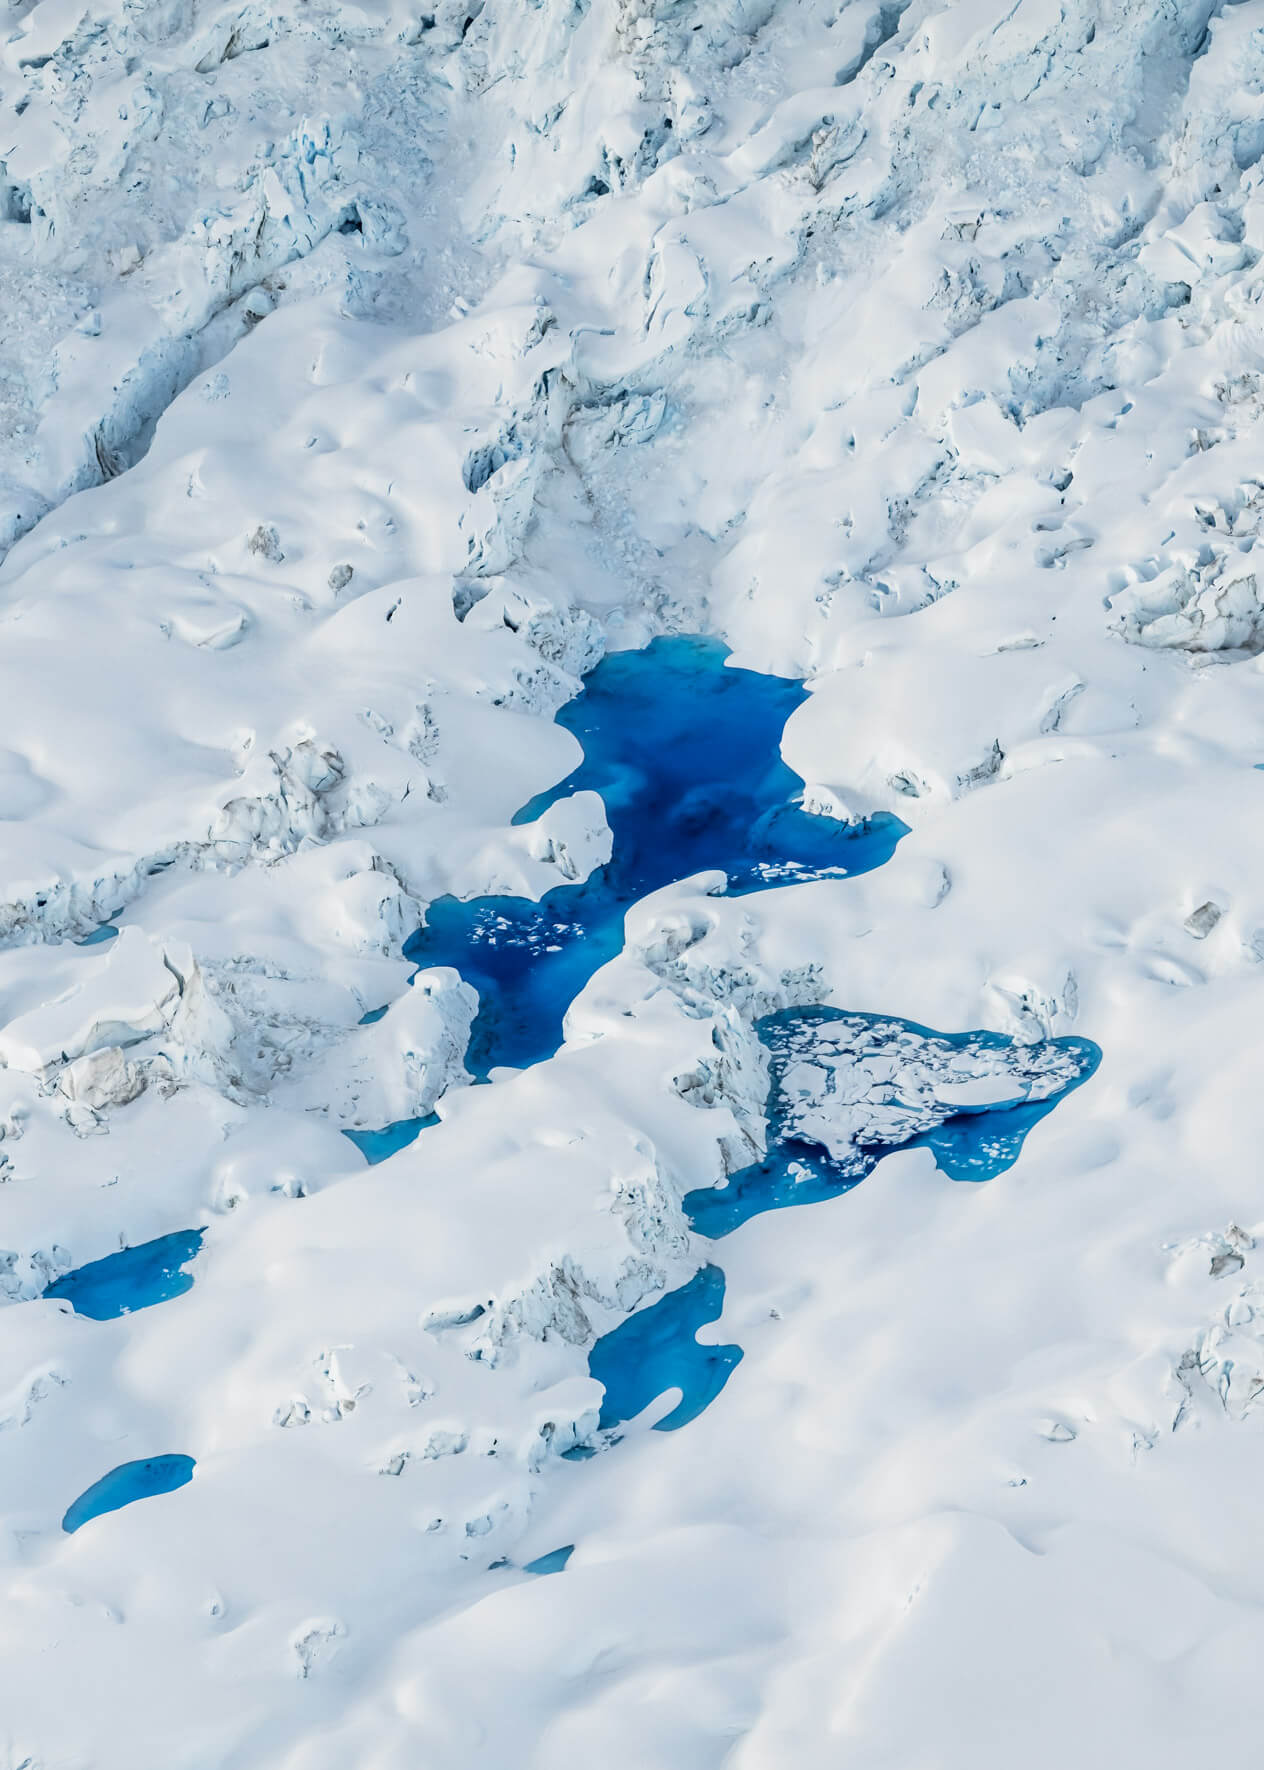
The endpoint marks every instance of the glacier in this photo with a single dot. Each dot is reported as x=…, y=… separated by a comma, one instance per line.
x=384, y=387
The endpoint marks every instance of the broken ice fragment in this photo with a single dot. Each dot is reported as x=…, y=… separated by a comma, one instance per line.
x=1203, y=920
x=265, y=542
x=100, y=1079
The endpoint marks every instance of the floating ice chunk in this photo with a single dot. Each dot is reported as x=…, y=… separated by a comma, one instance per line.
x=852, y=1083
x=974, y=1091
x=848, y=1089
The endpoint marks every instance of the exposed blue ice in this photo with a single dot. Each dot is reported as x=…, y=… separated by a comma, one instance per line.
x=130, y=1481
x=686, y=755
x=655, y=1350
x=375, y=1146
x=133, y=1278
x=554, y=1562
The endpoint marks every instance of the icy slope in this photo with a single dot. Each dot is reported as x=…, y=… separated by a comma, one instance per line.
x=366, y=373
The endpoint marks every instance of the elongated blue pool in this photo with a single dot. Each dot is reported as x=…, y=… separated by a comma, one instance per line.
x=128, y=1483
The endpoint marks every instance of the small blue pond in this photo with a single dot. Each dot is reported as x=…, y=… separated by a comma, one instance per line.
x=133, y=1278
x=656, y=1350
x=685, y=754
x=375, y=1146
x=130, y=1481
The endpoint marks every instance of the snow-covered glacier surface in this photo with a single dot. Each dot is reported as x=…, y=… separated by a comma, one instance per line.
x=617, y=616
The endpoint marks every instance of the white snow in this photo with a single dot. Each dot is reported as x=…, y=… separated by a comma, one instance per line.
x=366, y=372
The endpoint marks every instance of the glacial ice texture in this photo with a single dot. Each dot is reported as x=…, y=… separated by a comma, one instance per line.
x=370, y=374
